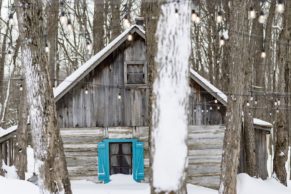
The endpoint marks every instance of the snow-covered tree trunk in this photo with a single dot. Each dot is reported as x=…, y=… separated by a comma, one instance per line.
x=237, y=58
x=170, y=93
x=48, y=151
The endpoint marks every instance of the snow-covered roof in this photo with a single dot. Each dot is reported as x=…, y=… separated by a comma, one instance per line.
x=4, y=132
x=220, y=96
x=94, y=61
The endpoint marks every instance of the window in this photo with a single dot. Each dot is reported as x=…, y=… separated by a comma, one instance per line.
x=120, y=158
x=135, y=72
x=125, y=156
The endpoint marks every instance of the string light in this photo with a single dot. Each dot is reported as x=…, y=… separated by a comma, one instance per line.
x=280, y=7
x=10, y=18
x=129, y=37
x=119, y=96
x=252, y=13
x=63, y=18
x=20, y=87
x=218, y=107
x=46, y=49
x=222, y=41
x=248, y=104
x=193, y=16
x=69, y=25
x=262, y=18
x=215, y=101
x=210, y=108
x=86, y=90
x=219, y=17
x=89, y=46
x=263, y=53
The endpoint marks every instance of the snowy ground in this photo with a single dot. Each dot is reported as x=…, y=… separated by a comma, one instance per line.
x=123, y=184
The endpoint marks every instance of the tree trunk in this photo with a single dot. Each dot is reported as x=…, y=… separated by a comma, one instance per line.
x=98, y=26
x=22, y=137
x=150, y=10
x=169, y=135
x=281, y=128
x=48, y=148
x=52, y=36
x=115, y=22
x=231, y=144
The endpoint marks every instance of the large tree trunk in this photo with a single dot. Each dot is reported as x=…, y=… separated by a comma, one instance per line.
x=169, y=116
x=237, y=56
x=115, y=23
x=22, y=137
x=150, y=10
x=98, y=26
x=281, y=127
x=52, y=36
x=48, y=148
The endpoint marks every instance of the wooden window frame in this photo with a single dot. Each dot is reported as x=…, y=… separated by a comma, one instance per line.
x=136, y=62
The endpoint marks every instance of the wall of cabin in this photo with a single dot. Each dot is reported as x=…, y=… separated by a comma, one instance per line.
x=109, y=100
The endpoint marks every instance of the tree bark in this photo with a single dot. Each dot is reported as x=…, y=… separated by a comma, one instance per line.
x=281, y=127
x=48, y=148
x=237, y=56
x=98, y=26
x=22, y=137
x=115, y=22
x=150, y=10
x=52, y=36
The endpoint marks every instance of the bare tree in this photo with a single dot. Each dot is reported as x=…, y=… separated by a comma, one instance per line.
x=231, y=144
x=48, y=147
x=98, y=26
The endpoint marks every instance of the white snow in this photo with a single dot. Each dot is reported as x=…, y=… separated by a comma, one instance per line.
x=262, y=123
x=123, y=184
x=10, y=171
x=171, y=89
x=4, y=132
x=90, y=64
x=30, y=163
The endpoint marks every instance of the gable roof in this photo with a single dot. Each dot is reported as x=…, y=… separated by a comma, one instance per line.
x=94, y=61
x=220, y=96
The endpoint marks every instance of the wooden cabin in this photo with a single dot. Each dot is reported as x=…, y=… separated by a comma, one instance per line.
x=102, y=111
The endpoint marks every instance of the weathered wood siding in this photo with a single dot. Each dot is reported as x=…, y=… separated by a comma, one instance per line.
x=101, y=106
x=203, y=110
x=80, y=146
x=205, y=150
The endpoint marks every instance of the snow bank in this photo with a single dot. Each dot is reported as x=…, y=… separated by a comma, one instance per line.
x=13, y=186
x=249, y=185
x=120, y=184
x=10, y=171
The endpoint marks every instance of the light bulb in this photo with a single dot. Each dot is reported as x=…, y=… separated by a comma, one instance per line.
x=130, y=37
x=89, y=46
x=20, y=87
x=63, y=18
x=119, y=96
x=218, y=108
x=69, y=26
x=248, y=104
x=263, y=54
x=280, y=7
x=215, y=101
x=210, y=108
x=193, y=16
x=262, y=18
x=219, y=17
x=86, y=91
x=221, y=41
x=46, y=49
x=252, y=13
